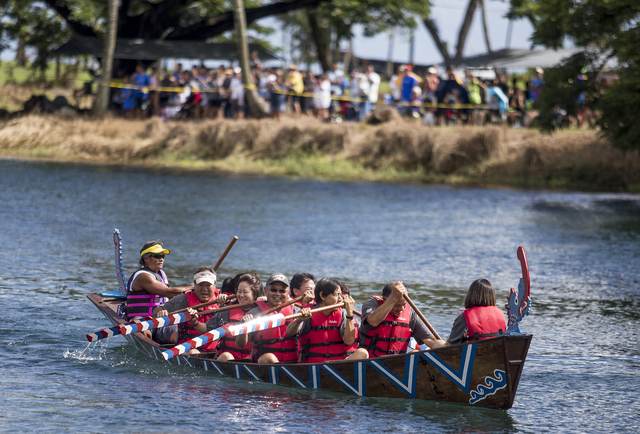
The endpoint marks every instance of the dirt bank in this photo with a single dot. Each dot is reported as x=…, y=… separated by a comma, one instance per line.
x=395, y=151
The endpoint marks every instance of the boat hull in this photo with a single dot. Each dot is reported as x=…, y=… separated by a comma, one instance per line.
x=484, y=373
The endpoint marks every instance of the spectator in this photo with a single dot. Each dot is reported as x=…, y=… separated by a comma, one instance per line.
x=278, y=97
x=295, y=84
x=409, y=81
x=395, y=83
x=473, y=87
x=374, y=86
x=430, y=84
x=322, y=97
x=536, y=84
x=237, y=93
x=142, y=81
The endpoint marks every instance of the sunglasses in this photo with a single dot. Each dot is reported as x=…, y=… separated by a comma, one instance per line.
x=276, y=290
x=157, y=255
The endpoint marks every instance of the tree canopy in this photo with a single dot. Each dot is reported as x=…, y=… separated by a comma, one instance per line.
x=604, y=30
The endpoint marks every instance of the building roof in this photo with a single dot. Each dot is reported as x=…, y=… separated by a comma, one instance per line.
x=153, y=49
x=511, y=58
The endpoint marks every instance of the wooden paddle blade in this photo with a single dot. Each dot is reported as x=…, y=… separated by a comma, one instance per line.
x=522, y=256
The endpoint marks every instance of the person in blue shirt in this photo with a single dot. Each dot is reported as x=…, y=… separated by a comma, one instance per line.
x=142, y=80
x=127, y=98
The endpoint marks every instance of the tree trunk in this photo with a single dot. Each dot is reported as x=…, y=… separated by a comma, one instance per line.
x=433, y=31
x=101, y=103
x=484, y=26
x=319, y=37
x=464, y=30
x=21, y=59
x=240, y=25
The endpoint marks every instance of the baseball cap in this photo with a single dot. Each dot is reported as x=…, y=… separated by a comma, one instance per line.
x=205, y=276
x=237, y=70
x=432, y=70
x=278, y=277
x=539, y=70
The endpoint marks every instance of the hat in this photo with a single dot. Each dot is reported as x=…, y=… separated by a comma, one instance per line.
x=278, y=277
x=539, y=70
x=237, y=70
x=293, y=66
x=409, y=67
x=229, y=71
x=156, y=248
x=402, y=68
x=205, y=276
x=432, y=70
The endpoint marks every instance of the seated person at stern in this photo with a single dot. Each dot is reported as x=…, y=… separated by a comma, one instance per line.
x=388, y=323
x=481, y=319
x=204, y=290
x=148, y=287
x=273, y=345
x=325, y=335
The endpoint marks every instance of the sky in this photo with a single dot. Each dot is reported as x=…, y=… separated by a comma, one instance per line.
x=448, y=15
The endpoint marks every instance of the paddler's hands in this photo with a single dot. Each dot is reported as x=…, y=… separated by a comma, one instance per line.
x=160, y=313
x=309, y=296
x=194, y=316
x=397, y=290
x=222, y=299
x=247, y=317
x=348, y=304
x=306, y=314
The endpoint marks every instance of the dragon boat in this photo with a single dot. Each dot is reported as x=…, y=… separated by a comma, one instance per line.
x=481, y=373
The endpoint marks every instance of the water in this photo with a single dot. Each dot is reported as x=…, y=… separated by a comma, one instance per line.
x=56, y=220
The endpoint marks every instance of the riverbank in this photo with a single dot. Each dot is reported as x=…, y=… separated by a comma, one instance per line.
x=397, y=151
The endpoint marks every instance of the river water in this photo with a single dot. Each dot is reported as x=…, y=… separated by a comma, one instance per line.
x=56, y=220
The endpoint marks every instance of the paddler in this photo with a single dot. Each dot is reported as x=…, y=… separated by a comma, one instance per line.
x=481, y=319
x=273, y=345
x=301, y=283
x=148, y=287
x=249, y=289
x=204, y=290
x=325, y=335
x=388, y=323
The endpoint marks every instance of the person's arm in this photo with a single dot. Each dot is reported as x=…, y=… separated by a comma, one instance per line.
x=378, y=315
x=294, y=326
x=151, y=285
x=199, y=326
x=349, y=332
x=242, y=340
x=421, y=333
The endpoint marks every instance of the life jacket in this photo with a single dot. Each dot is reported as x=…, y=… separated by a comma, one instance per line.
x=142, y=303
x=228, y=343
x=275, y=340
x=483, y=322
x=186, y=331
x=391, y=336
x=323, y=342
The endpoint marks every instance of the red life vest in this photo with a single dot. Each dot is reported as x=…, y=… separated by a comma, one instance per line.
x=483, y=322
x=392, y=335
x=228, y=343
x=275, y=340
x=186, y=329
x=323, y=342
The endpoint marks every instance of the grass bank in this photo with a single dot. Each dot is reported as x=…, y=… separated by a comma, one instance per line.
x=395, y=151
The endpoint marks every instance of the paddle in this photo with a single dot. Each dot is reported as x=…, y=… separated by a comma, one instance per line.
x=224, y=254
x=422, y=317
x=258, y=324
x=354, y=311
x=177, y=317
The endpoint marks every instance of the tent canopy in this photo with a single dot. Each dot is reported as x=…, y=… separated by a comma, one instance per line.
x=512, y=58
x=153, y=49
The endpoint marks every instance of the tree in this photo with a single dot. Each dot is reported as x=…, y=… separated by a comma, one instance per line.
x=243, y=51
x=101, y=103
x=603, y=30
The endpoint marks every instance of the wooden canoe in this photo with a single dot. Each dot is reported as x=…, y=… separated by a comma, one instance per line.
x=483, y=373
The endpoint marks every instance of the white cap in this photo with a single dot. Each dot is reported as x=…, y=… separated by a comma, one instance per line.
x=205, y=276
x=237, y=70
x=432, y=70
x=539, y=70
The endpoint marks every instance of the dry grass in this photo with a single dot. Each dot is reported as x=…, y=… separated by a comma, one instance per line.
x=391, y=151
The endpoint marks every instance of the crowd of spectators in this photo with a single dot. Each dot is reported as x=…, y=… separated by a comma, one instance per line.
x=449, y=98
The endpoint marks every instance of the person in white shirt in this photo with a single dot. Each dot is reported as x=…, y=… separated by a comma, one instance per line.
x=373, y=80
x=322, y=97
x=237, y=94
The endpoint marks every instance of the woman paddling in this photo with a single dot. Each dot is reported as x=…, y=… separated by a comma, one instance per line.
x=481, y=319
x=249, y=289
x=324, y=335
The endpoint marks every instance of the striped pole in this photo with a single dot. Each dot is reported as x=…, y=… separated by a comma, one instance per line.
x=139, y=326
x=255, y=325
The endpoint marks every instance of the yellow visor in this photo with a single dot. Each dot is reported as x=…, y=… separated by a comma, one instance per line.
x=156, y=248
